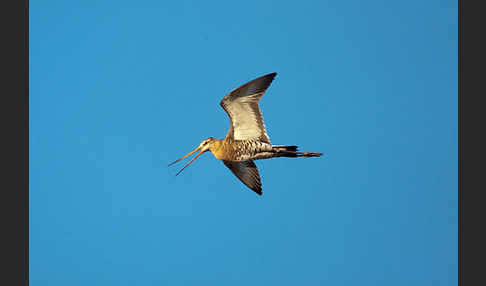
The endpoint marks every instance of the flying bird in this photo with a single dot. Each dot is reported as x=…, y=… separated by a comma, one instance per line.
x=247, y=138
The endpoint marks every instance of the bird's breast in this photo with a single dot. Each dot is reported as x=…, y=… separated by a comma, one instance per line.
x=222, y=151
x=219, y=154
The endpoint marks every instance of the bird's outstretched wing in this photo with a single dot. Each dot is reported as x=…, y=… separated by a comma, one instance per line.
x=241, y=105
x=247, y=172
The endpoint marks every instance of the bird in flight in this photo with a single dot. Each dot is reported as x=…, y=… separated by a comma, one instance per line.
x=247, y=139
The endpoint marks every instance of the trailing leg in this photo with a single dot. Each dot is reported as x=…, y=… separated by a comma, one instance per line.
x=291, y=152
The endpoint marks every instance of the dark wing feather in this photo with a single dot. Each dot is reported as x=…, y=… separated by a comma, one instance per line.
x=241, y=105
x=247, y=172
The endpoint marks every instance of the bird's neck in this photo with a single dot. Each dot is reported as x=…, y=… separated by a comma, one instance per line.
x=219, y=149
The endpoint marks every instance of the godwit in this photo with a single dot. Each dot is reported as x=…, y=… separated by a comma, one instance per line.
x=247, y=139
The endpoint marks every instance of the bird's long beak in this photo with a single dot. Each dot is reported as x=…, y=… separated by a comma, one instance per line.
x=194, y=151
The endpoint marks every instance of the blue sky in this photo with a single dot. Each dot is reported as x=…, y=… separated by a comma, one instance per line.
x=120, y=89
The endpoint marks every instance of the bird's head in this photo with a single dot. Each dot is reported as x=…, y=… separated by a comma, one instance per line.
x=206, y=144
x=202, y=148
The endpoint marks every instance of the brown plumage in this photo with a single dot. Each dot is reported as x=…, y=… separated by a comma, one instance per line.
x=247, y=139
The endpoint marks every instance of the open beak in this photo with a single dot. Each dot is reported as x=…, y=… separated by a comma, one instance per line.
x=194, y=151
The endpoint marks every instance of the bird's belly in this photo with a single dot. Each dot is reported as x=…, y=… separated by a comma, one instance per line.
x=263, y=155
x=252, y=150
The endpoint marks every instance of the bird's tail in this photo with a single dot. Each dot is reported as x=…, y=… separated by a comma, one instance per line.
x=291, y=152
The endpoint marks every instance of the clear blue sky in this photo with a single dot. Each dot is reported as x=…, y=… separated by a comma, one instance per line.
x=119, y=89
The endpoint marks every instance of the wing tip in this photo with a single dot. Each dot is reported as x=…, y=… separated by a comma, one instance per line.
x=258, y=191
x=266, y=80
x=271, y=75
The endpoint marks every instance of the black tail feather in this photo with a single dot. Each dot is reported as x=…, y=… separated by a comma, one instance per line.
x=291, y=152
